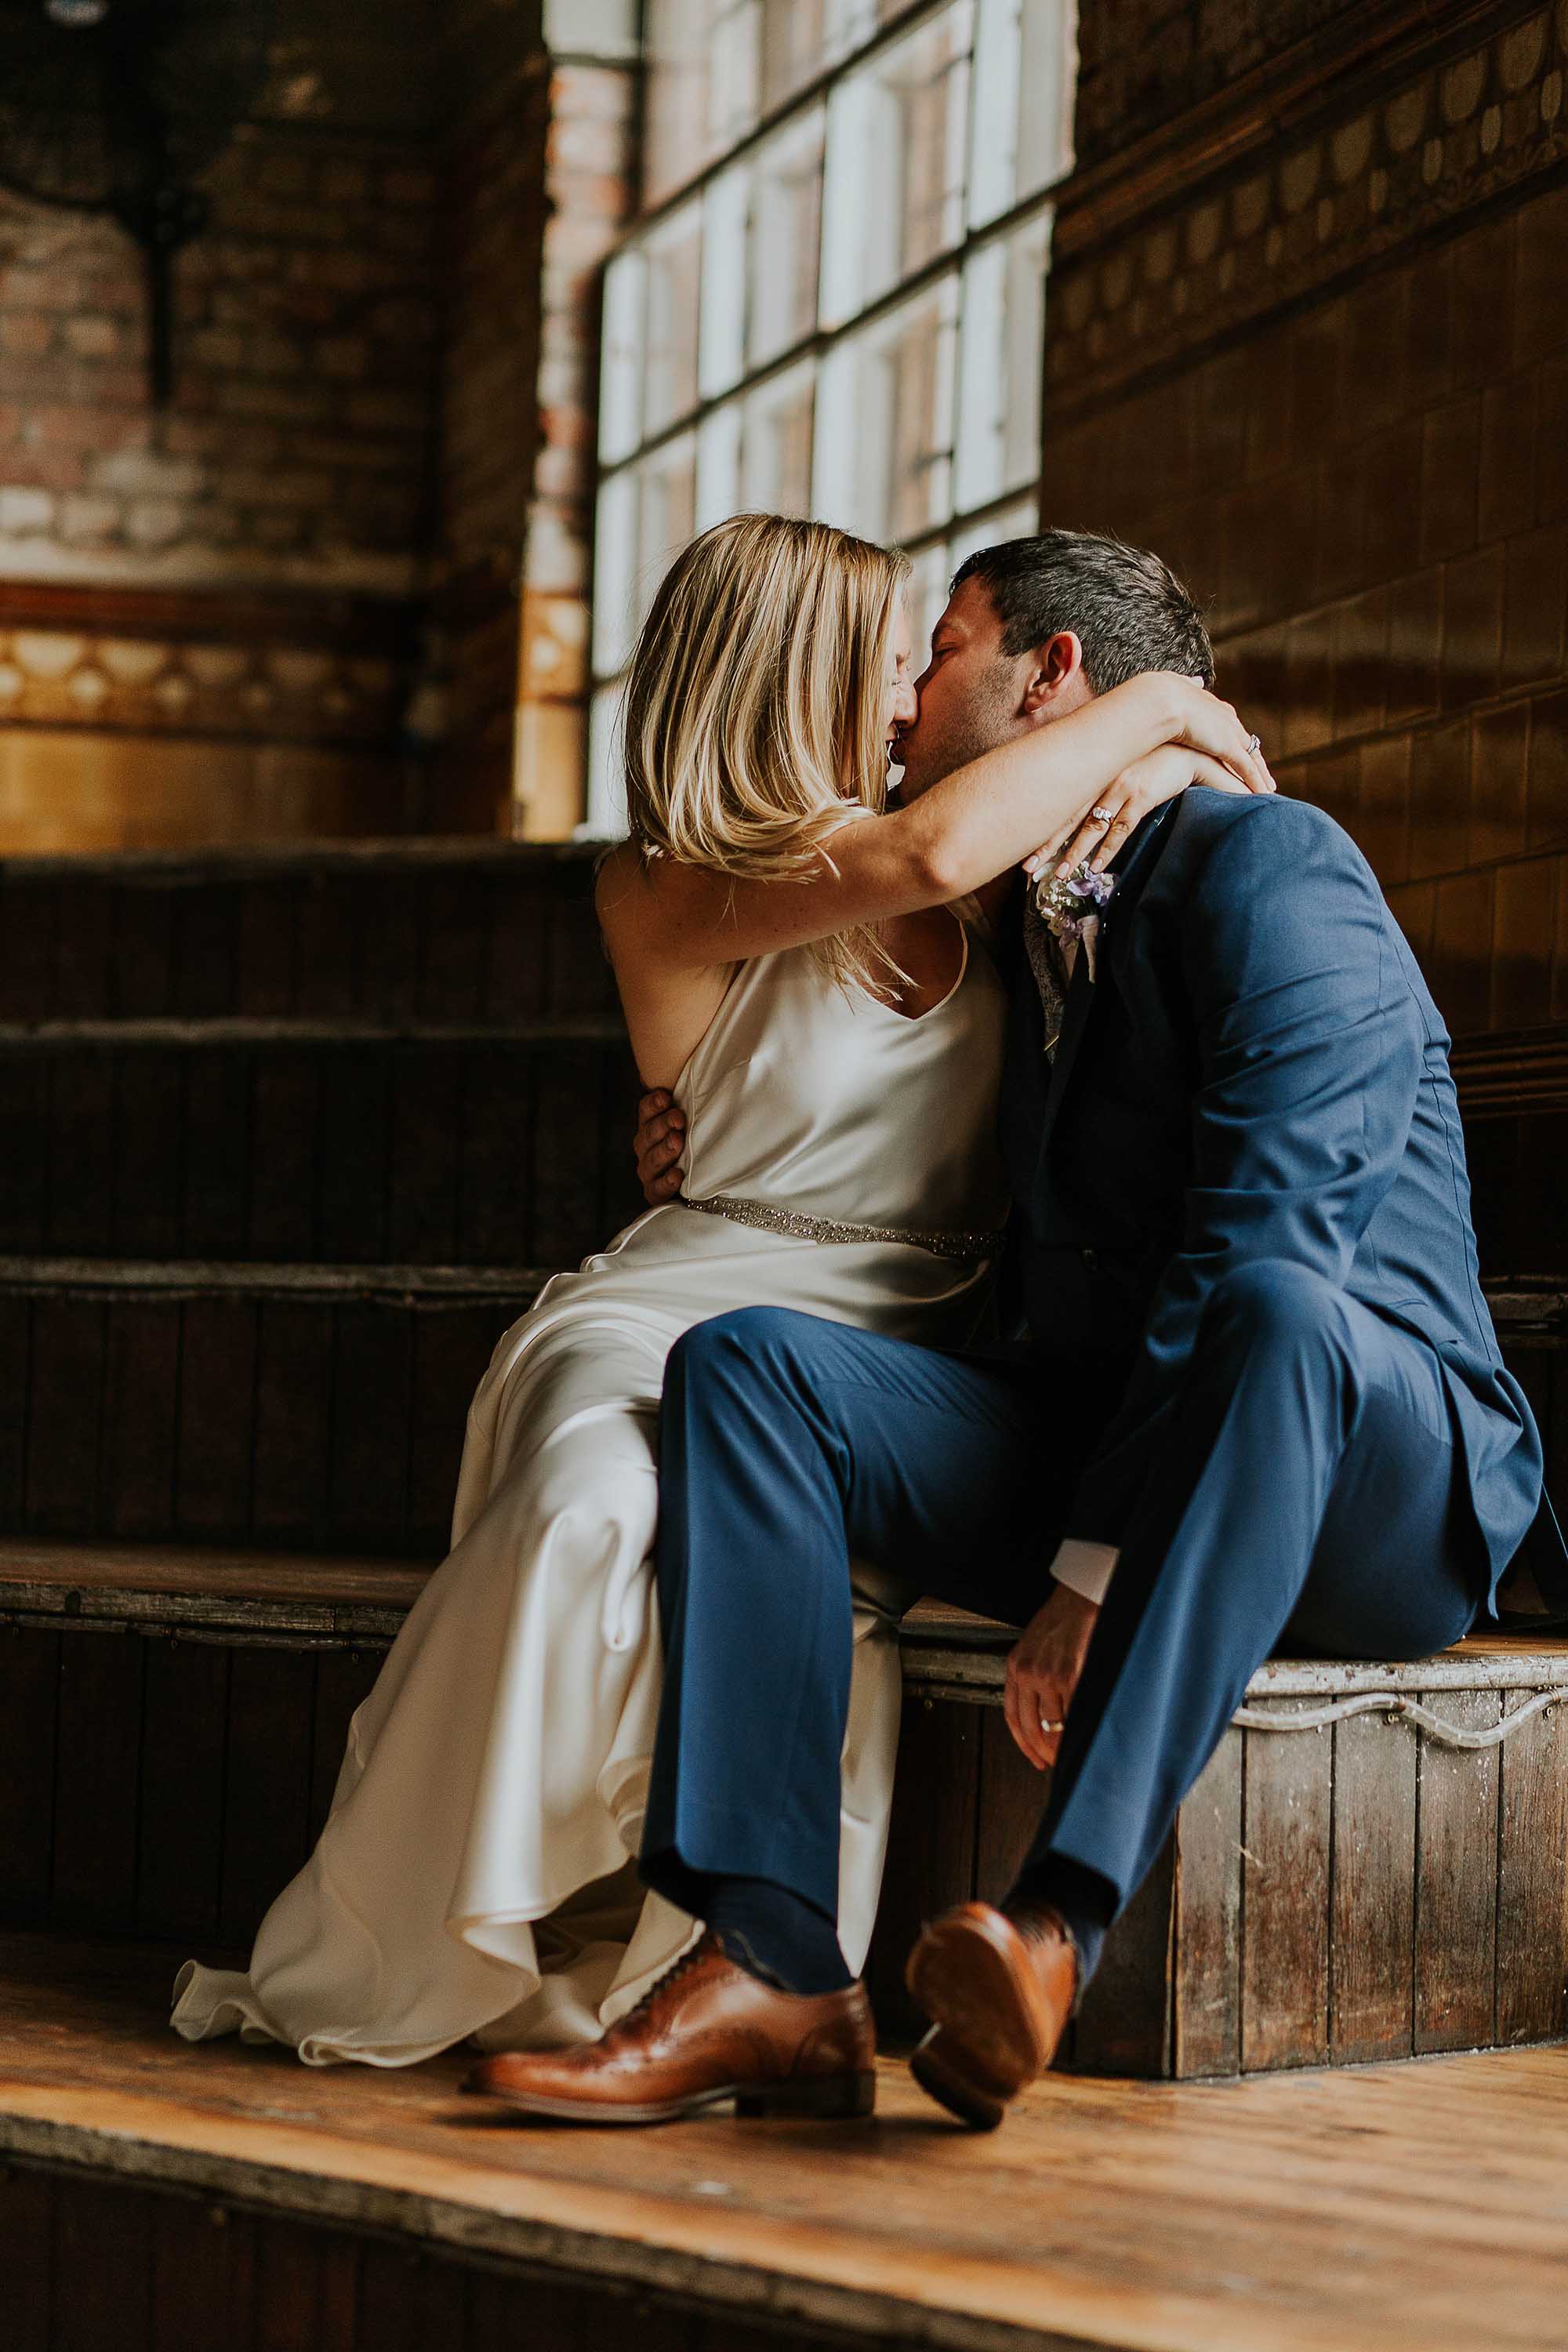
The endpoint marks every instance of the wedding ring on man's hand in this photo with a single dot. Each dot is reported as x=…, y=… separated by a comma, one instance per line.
x=1046, y=1726
x=1101, y=815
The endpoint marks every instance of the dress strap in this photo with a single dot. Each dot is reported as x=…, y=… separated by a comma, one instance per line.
x=968, y=1246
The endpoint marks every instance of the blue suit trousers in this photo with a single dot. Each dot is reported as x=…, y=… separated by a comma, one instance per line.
x=1298, y=1489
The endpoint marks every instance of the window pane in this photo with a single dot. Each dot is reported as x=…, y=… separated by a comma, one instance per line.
x=786, y=216
x=674, y=127
x=898, y=138
x=669, y=373
x=615, y=569
x=718, y=465
x=999, y=386
x=726, y=207
x=927, y=594
x=884, y=435
x=606, y=769
x=667, y=516
x=776, y=467
x=795, y=47
x=1024, y=60
x=734, y=86
x=621, y=367
x=1019, y=520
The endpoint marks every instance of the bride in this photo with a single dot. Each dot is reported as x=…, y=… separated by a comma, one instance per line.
x=793, y=970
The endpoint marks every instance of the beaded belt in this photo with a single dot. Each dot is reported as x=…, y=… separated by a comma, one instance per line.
x=763, y=1213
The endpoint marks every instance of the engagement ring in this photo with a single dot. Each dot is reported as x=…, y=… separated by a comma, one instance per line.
x=1255, y=742
x=1101, y=815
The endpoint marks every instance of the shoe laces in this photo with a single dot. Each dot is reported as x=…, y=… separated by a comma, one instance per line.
x=675, y=1969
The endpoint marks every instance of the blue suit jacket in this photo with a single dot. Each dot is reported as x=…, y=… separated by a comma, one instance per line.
x=1258, y=1072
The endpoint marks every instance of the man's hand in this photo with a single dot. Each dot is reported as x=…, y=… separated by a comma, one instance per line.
x=1043, y=1671
x=659, y=1141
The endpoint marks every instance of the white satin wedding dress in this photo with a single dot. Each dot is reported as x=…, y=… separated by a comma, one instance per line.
x=474, y=1877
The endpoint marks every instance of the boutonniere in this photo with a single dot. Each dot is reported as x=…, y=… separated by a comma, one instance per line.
x=1070, y=905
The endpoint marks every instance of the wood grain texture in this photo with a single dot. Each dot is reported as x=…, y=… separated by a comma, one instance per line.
x=931, y=1848
x=1372, y=1914
x=27, y=2232
x=1287, y=2211
x=1532, y=1880
x=1285, y=1896
x=29, y=1698
x=1456, y=1882
x=184, y=1727
x=1123, y=2024
x=97, y=1762
x=1206, y=1935
x=267, y=1783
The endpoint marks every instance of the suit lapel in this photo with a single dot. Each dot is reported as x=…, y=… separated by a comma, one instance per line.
x=1131, y=868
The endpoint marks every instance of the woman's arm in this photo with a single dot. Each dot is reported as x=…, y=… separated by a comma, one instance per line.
x=975, y=823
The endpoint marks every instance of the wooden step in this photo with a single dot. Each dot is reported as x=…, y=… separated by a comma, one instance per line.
x=337, y=1142
x=306, y=1407
x=160, y=2198
x=1329, y=1895
x=441, y=930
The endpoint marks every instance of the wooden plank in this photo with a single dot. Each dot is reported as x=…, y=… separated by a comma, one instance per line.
x=148, y=1186
x=265, y=980
x=97, y=1763
x=84, y=976
x=1372, y=1897
x=16, y=1381
x=565, y=1192
x=1206, y=1950
x=80, y=1187
x=424, y=1168
x=215, y=1187
x=1123, y=2024
x=285, y=1153
x=145, y=947
x=452, y=973
x=293, y=1421
x=289, y=2284
x=141, y=1416
x=180, y=1835
x=102, y=2298
x=1285, y=1815
x=215, y=1431
x=396, y=912
x=452, y=1347
x=1456, y=1880
x=29, y=948
x=1532, y=1880
x=1012, y=1801
x=410, y=2302
x=29, y=1695
x=26, y=2238
x=203, y=2260
x=516, y=962
x=344, y=1678
x=494, y=1199
x=25, y=1161
x=330, y=918
x=511, y=2315
x=372, y=1437
x=353, y=1154
x=64, y=1406
x=266, y=1794
x=931, y=1848
x=208, y=938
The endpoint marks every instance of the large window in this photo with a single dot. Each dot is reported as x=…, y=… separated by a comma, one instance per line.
x=834, y=302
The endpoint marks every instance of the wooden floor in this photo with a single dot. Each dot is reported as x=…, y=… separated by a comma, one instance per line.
x=1421, y=2206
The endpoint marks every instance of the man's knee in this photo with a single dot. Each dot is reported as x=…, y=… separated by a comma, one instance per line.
x=1274, y=1299
x=747, y=1346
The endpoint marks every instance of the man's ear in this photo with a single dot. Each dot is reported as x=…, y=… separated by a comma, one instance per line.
x=1052, y=671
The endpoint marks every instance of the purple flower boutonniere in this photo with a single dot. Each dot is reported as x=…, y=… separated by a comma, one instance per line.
x=1069, y=906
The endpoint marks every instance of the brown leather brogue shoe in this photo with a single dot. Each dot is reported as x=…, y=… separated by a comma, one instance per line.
x=706, y=2032
x=998, y=1987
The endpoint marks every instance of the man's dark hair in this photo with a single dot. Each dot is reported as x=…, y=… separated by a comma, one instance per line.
x=1127, y=609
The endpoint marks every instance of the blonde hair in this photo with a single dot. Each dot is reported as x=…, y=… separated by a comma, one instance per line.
x=755, y=707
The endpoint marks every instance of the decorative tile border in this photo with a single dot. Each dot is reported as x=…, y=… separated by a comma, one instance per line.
x=1272, y=219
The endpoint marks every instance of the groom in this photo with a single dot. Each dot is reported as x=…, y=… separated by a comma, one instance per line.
x=1260, y=1402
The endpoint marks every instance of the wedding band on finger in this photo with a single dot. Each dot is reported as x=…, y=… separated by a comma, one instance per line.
x=1046, y=1725
x=1101, y=815
x=1254, y=743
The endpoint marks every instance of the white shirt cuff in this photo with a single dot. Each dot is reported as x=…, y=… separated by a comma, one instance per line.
x=1086, y=1568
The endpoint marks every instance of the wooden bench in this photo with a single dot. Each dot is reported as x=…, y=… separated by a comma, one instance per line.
x=1336, y=1890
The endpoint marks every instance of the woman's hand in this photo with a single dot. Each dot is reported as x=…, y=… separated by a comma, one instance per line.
x=1146, y=784
x=1043, y=1672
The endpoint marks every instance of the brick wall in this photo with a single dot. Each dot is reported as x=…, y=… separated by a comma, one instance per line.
x=237, y=587
x=1327, y=374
